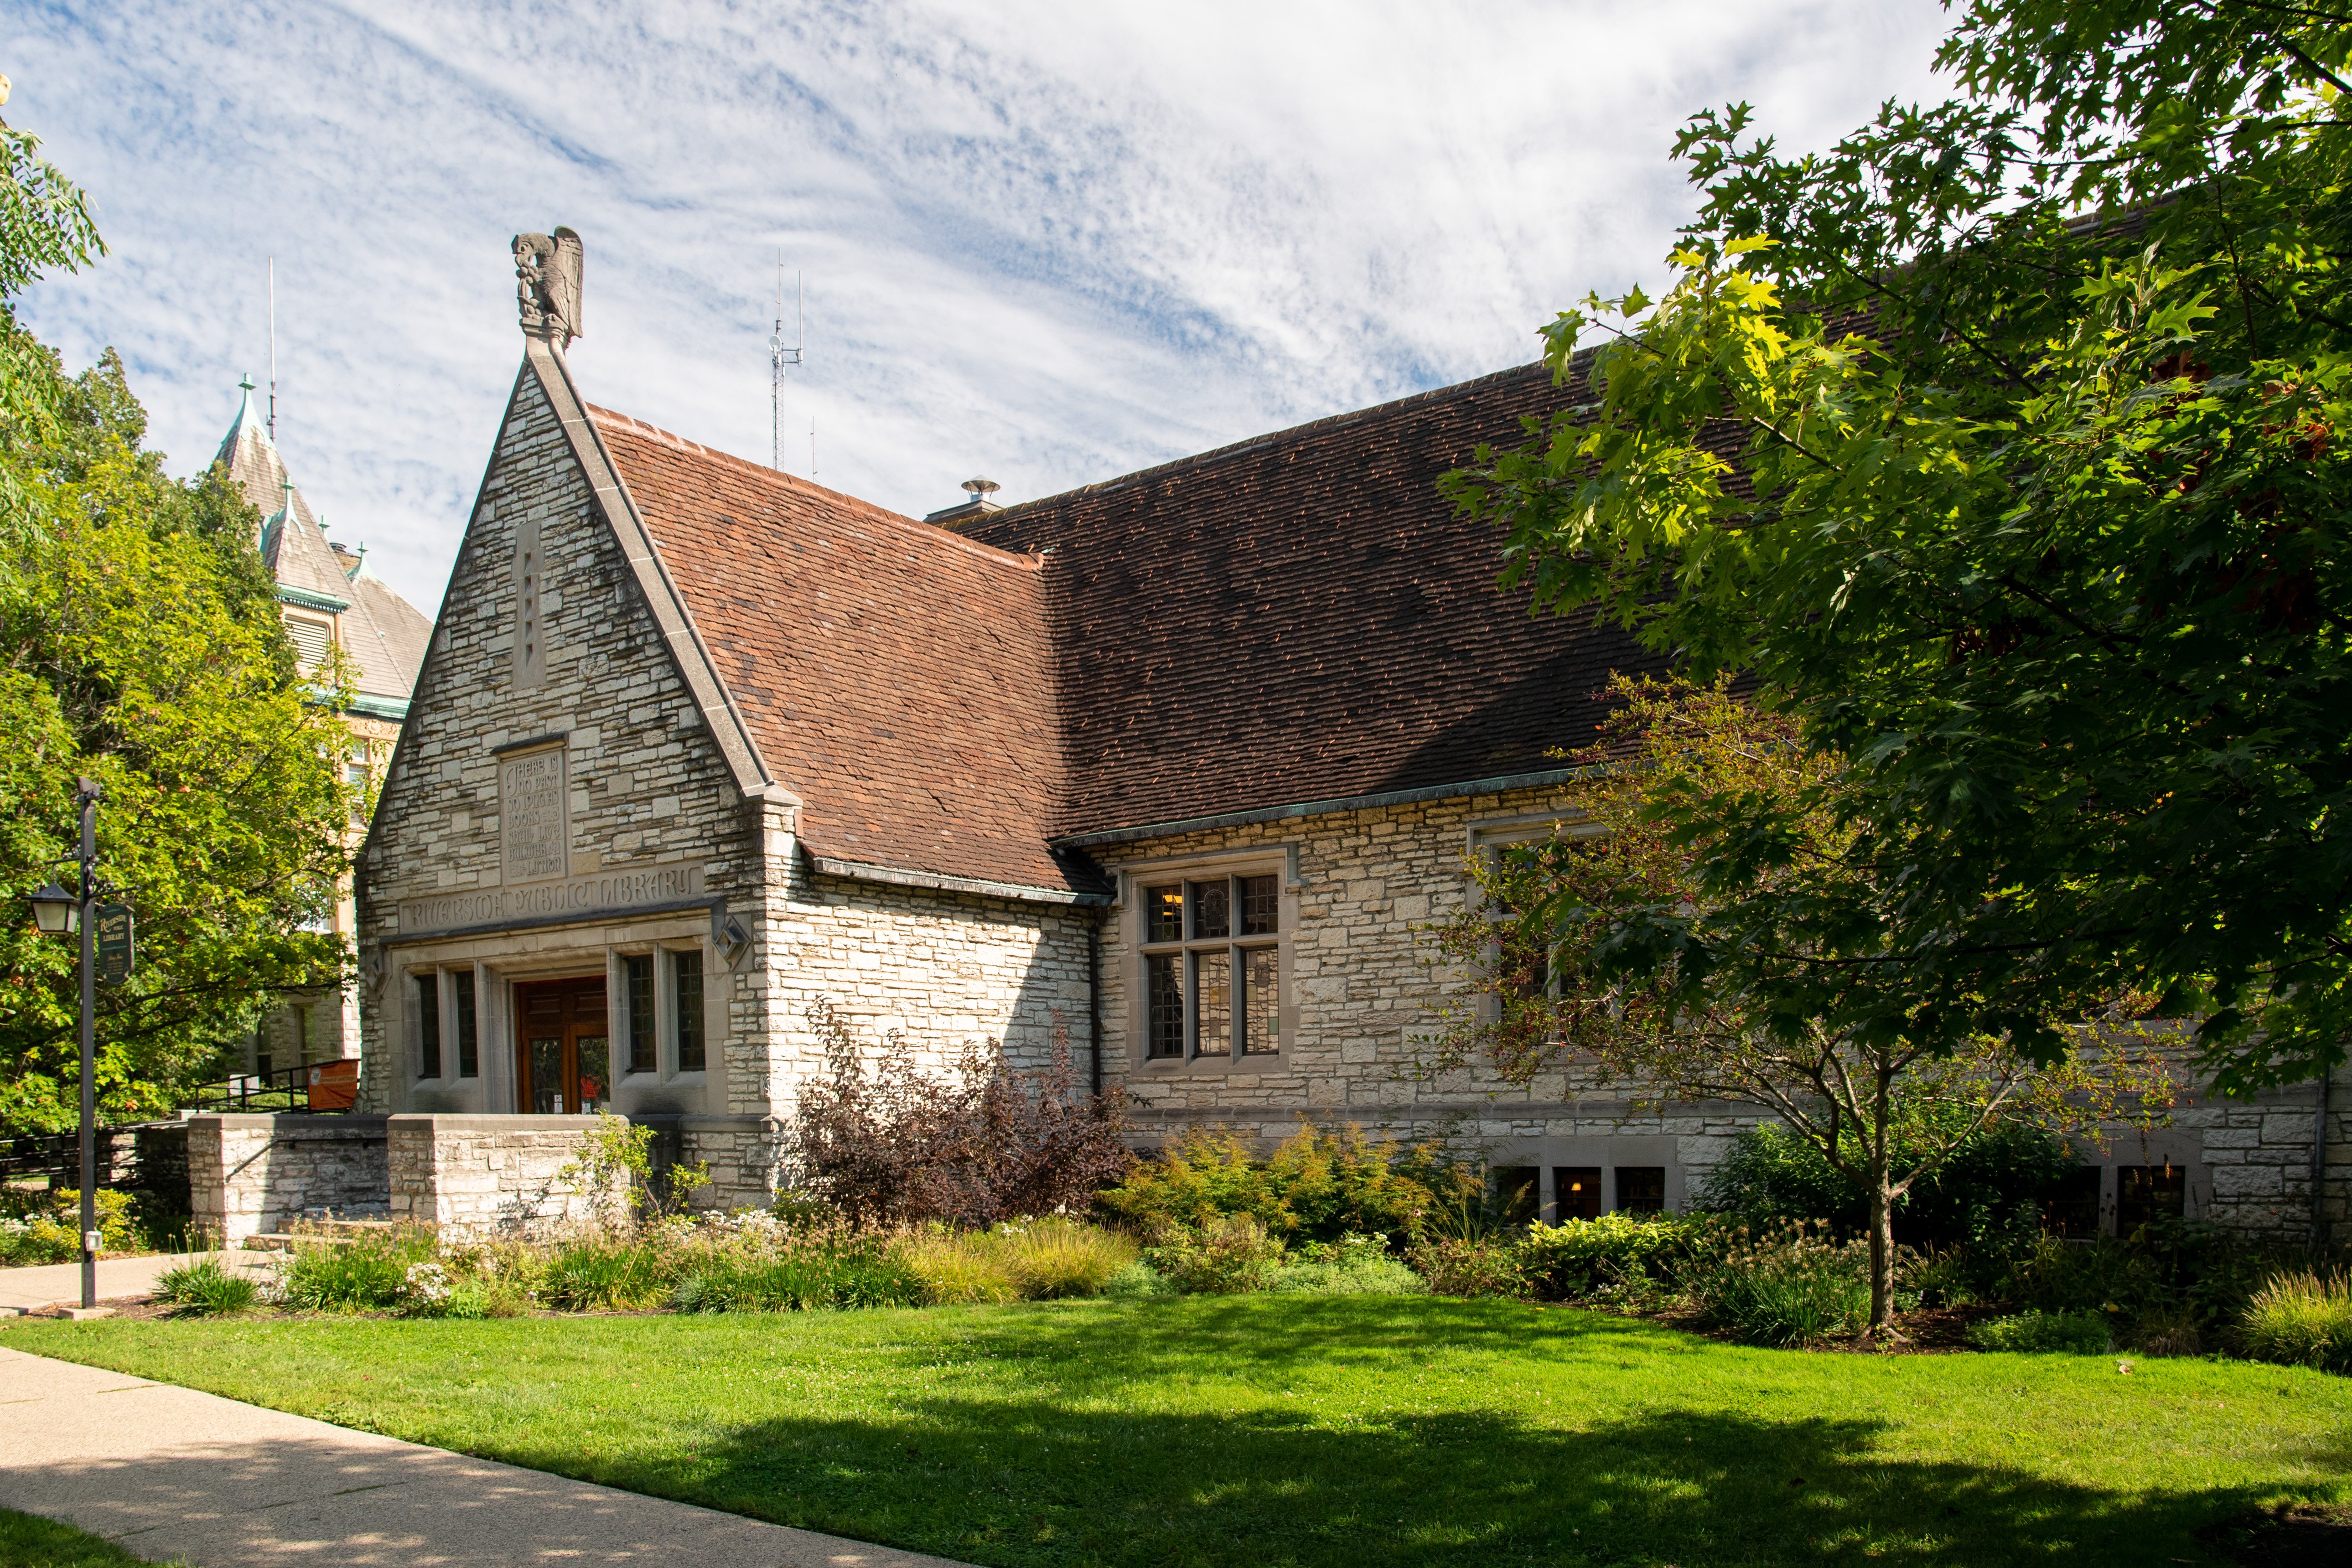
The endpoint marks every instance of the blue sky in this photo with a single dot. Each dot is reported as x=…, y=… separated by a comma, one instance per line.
x=1047, y=242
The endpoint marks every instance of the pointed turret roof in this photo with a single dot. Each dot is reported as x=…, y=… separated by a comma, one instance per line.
x=383, y=633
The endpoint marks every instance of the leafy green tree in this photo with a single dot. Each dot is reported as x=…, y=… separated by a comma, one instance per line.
x=140, y=646
x=1620, y=943
x=2005, y=444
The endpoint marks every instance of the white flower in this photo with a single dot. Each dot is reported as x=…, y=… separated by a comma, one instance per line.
x=428, y=1284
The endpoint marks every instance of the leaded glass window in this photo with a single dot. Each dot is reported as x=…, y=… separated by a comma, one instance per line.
x=1212, y=968
x=428, y=1024
x=688, y=974
x=469, y=1047
x=637, y=973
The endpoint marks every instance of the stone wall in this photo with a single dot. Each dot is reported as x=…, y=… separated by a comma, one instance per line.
x=248, y=1175
x=2255, y=1157
x=486, y=1175
x=1368, y=997
x=646, y=785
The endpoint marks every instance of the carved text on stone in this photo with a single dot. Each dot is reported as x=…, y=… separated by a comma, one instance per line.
x=534, y=825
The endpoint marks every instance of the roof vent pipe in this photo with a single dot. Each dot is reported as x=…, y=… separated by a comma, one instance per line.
x=979, y=506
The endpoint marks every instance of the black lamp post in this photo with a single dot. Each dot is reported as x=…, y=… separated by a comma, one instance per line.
x=58, y=913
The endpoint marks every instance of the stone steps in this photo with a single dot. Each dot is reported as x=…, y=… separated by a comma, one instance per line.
x=333, y=1232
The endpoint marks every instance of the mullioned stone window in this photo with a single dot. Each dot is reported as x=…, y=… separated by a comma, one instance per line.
x=1213, y=967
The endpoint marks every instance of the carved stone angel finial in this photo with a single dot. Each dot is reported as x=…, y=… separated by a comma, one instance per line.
x=547, y=269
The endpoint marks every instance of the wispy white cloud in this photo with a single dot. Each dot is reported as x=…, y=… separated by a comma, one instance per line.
x=1051, y=242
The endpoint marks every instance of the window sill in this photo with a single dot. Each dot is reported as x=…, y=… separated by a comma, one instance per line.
x=1211, y=1067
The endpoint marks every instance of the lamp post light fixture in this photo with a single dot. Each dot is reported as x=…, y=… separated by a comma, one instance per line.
x=55, y=910
x=59, y=913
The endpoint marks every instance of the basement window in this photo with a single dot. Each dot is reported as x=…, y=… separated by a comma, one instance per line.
x=2071, y=1213
x=1641, y=1189
x=1212, y=968
x=2146, y=1192
x=1519, y=1194
x=1576, y=1191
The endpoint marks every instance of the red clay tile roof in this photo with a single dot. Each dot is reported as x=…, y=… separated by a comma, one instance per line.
x=1295, y=619
x=1303, y=617
x=897, y=677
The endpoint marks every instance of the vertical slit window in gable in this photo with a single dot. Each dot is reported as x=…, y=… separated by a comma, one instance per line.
x=637, y=970
x=428, y=1024
x=687, y=971
x=469, y=1049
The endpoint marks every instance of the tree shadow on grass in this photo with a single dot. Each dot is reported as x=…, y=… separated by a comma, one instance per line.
x=1079, y=1438
x=1051, y=1484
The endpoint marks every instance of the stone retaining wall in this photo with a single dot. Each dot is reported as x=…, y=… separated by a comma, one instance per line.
x=486, y=1173
x=247, y=1174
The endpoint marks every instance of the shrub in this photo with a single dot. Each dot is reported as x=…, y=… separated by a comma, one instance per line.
x=824, y=1272
x=1617, y=1254
x=24, y=1242
x=1313, y=1186
x=2304, y=1318
x=1054, y=1257
x=47, y=1225
x=614, y=1171
x=981, y=1146
x=2103, y=1275
x=1943, y=1277
x=1990, y=1192
x=205, y=1289
x=2167, y=1330
x=591, y=1274
x=952, y=1271
x=370, y=1274
x=1224, y=1255
x=2075, y=1334
x=1138, y=1282
x=1458, y=1266
x=1355, y=1265
x=1796, y=1288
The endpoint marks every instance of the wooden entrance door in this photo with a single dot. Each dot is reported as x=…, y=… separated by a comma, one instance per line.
x=565, y=1063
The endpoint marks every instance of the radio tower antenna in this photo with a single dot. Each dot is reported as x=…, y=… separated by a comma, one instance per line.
x=779, y=356
x=273, y=351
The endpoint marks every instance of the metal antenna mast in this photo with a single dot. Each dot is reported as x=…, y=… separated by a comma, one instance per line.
x=273, y=351
x=779, y=356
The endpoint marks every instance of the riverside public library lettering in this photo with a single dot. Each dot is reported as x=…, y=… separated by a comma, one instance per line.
x=1176, y=767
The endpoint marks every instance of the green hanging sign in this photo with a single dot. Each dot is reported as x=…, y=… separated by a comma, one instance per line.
x=116, y=951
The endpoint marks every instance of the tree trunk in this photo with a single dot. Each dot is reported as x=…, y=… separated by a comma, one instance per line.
x=1882, y=1219
x=1882, y=1253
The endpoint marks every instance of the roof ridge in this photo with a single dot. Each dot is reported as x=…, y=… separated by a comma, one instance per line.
x=629, y=423
x=1328, y=422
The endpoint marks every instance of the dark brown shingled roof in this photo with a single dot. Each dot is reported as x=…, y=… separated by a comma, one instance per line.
x=897, y=677
x=1303, y=617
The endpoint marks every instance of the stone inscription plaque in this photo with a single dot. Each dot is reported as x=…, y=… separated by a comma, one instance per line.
x=534, y=832
x=619, y=891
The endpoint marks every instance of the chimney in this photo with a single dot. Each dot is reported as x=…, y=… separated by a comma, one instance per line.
x=978, y=506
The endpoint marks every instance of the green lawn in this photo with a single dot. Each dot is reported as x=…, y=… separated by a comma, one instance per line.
x=1269, y=1430
x=28, y=1541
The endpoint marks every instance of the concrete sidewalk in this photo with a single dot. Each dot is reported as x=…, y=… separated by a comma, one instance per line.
x=59, y=1284
x=167, y=1472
